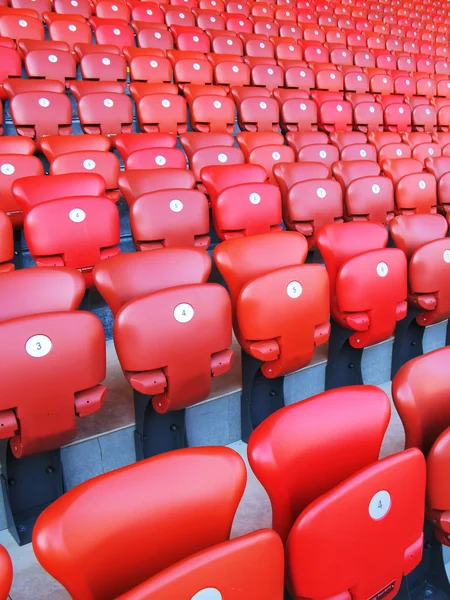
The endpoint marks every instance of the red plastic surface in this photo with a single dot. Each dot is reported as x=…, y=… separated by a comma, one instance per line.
x=13, y=167
x=6, y=244
x=105, y=113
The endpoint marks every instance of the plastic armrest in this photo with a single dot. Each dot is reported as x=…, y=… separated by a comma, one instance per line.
x=49, y=261
x=321, y=333
x=90, y=401
x=8, y=424
x=358, y=321
x=149, y=383
x=427, y=301
x=265, y=350
x=402, y=309
x=221, y=362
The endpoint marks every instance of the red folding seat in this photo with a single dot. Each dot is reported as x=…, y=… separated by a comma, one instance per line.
x=301, y=78
x=226, y=42
x=423, y=116
x=313, y=146
x=162, y=112
x=25, y=46
x=50, y=64
x=104, y=67
x=134, y=183
x=443, y=88
x=174, y=374
x=422, y=146
x=12, y=87
x=190, y=67
x=156, y=158
x=170, y=218
x=208, y=149
x=105, y=112
x=70, y=7
x=328, y=78
x=6, y=244
x=56, y=145
x=155, y=37
x=366, y=499
x=282, y=339
x=353, y=145
x=381, y=82
x=80, y=88
x=259, y=48
x=37, y=114
x=210, y=109
x=415, y=190
x=56, y=238
x=116, y=33
x=287, y=51
x=40, y=6
x=266, y=149
x=335, y=114
x=301, y=184
x=404, y=85
x=127, y=143
x=257, y=111
x=268, y=76
x=396, y=113
x=105, y=164
x=17, y=26
x=149, y=12
x=368, y=280
x=237, y=23
x=367, y=113
x=33, y=190
x=152, y=69
x=10, y=66
x=230, y=70
x=178, y=15
x=389, y=145
x=82, y=50
x=70, y=31
x=298, y=112
x=188, y=566
x=12, y=167
x=110, y=9
x=190, y=38
x=442, y=106
x=439, y=166
x=241, y=200
x=262, y=9
x=368, y=196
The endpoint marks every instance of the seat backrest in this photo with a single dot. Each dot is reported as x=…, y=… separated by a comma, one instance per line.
x=30, y=191
x=158, y=528
x=218, y=178
x=12, y=168
x=156, y=158
x=38, y=410
x=413, y=231
x=54, y=289
x=126, y=143
x=347, y=171
x=105, y=113
x=304, y=450
x=423, y=409
x=55, y=145
x=252, y=565
x=133, y=184
x=133, y=275
x=384, y=500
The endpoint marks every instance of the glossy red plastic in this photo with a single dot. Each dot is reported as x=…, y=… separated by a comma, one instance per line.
x=6, y=244
x=13, y=167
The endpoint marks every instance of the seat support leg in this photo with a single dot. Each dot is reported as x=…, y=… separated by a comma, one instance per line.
x=157, y=433
x=29, y=485
x=260, y=396
x=428, y=580
x=344, y=361
x=408, y=341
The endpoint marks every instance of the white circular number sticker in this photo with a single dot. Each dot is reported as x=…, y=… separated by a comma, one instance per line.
x=153, y=64
x=254, y=198
x=108, y=102
x=196, y=38
x=217, y=104
x=183, y=313
x=23, y=23
x=7, y=169
x=207, y=594
x=321, y=193
x=89, y=164
x=382, y=269
x=339, y=108
x=263, y=105
x=276, y=155
x=379, y=505
x=401, y=111
x=229, y=42
x=52, y=58
x=422, y=184
x=157, y=35
x=77, y=215
x=363, y=153
x=222, y=158
x=196, y=67
x=72, y=28
x=234, y=69
x=332, y=76
x=165, y=103
x=116, y=31
x=38, y=346
x=302, y=106
x=160, y=160
x=294, y=289
x=398, y=152
x=371, y=109
x=447, y=256
x=106, y=61
x=176, y=206
x=44, y=102
x=115, y=8
x=430, y=151
x=74, y=3
x=322, y=154
x=376, y=188
x=302, y=74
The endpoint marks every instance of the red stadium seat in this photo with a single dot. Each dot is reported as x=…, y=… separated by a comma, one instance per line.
x=366, y=500
x=55, y=145
x=152, y=69
x=50, y=64
x=424, y=414
x=257, y=111
x=127, y=143
x=116, y=33
x=32, y=190
x=367, y=113
x=133, y=184
x=303, y=186
x=38, y=114
x=357, y=177
x=12, y=167
x=155, y=38
x=109, y=9
x=389, y=145
x=17, y=26
x=421, y=145
x=368, y=281
x=335, y=114
x=313, y=146
x=162, y=113
x=70, y=7
x=70, y=31
x=156, y=158
x=76, y=232
x=282, y=328
x=187, y=565
x=106, y=113
x=353, y=145
x=10, y=66
x=299, y=114
x=415, y=190
x=265, y=149
x=6, y=244
x=211, y=110
x=170, y=218
x=241, y=200
x=103, y=67
x=439, y=166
